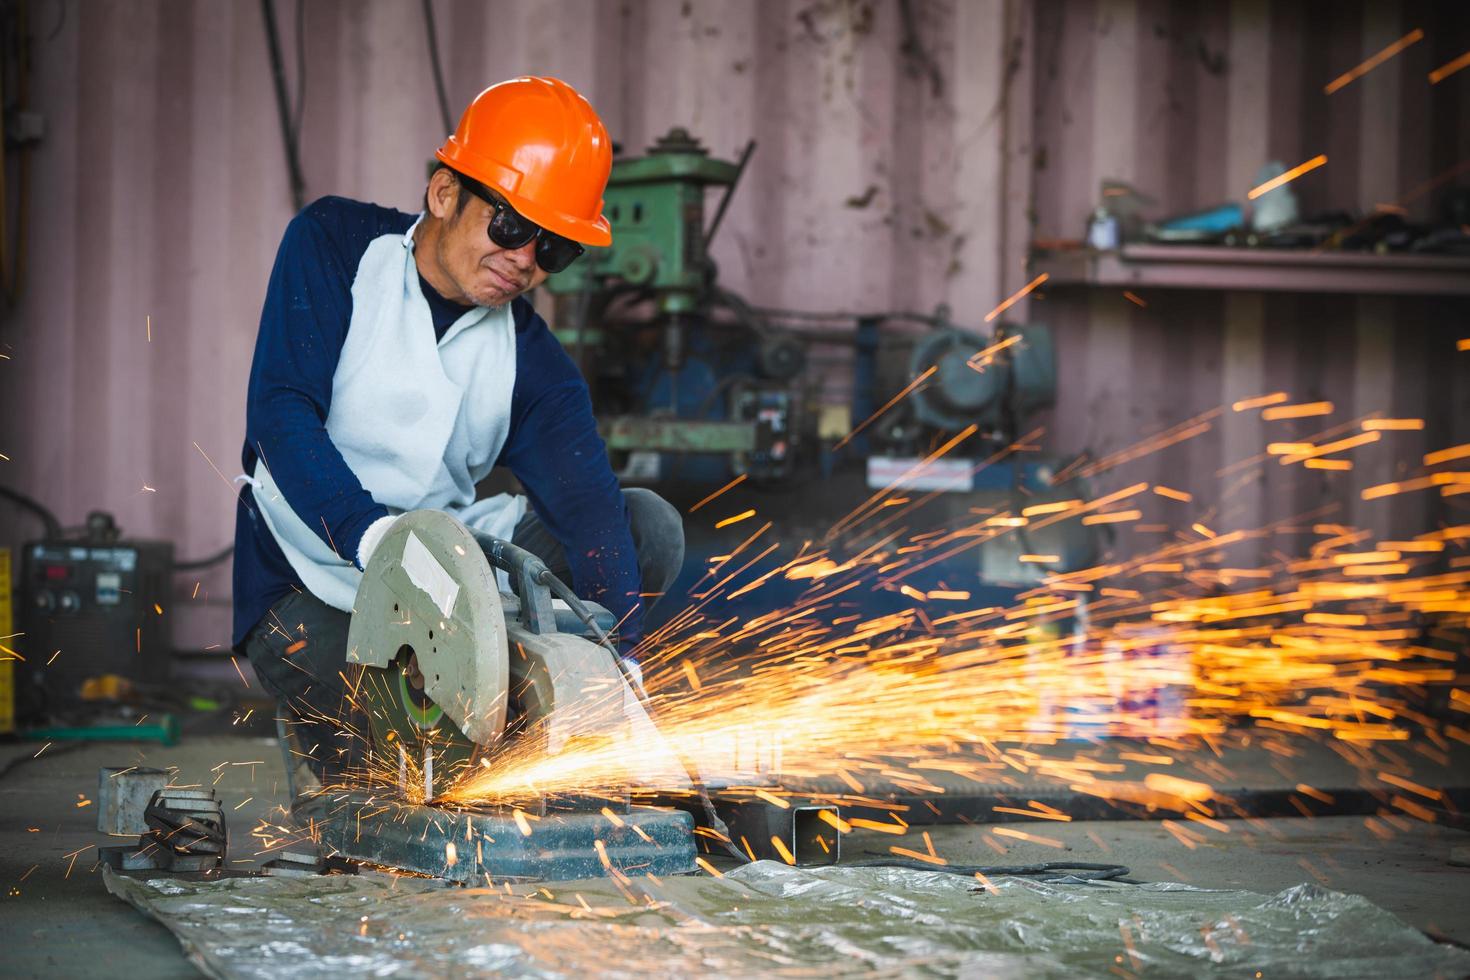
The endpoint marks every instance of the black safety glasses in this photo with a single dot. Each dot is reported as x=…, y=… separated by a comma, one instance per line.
x=510, y=229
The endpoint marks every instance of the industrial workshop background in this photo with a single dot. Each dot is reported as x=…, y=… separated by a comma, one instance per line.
x=918, y=148
x=974, y=343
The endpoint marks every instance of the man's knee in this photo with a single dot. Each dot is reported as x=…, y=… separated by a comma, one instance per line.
x=298, y=649
x=658, y=534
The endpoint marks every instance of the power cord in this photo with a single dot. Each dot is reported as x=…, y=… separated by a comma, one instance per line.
x=1055, y=872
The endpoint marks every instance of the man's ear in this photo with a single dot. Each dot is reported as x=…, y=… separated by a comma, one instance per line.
x=443, y=194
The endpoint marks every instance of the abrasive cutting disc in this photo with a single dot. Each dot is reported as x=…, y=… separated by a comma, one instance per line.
x=428, y=619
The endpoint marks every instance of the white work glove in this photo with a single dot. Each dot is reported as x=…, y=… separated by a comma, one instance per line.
x=371, y=538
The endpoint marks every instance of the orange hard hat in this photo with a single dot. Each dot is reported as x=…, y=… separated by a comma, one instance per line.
x=541, y=145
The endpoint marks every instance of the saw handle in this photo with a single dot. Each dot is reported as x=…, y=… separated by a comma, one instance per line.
x=535, y=584
x=532, y=580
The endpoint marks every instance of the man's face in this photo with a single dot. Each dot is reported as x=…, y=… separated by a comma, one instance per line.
x=481, y=272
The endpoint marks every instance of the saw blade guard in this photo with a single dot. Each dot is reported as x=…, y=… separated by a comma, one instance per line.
x=430, y=593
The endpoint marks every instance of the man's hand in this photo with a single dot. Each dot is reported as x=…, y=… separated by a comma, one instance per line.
x=371, y=538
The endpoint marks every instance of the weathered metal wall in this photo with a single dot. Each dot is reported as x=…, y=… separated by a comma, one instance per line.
x=1185, y=102
x=899, y=165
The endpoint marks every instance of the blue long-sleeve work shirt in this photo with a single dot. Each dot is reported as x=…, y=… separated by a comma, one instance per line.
x=552, y=446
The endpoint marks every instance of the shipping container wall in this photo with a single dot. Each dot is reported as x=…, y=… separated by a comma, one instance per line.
x=907, y=152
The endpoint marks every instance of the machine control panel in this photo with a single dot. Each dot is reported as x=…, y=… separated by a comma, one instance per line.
x=65, y=579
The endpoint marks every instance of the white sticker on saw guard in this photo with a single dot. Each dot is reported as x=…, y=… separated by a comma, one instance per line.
x=424, y=571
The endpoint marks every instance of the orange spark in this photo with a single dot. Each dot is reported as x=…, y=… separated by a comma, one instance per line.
x=1370, y=425
x=917, y=855
x=1032, y=838
x=982, y=359
x=1287, y=177
x=1445, y=71
x=1169, y=437
x=1185, y=789
x=837, y=823
x=1049, y=508
x=1133, y=298
x=1411, y=786
x=733, y=483
x=1353, y=74
x=1396, y=568
x=743, y=515
x=1327, y=449
x=1445, y=455
x=1115, y=517
x=1316, y=794
x=1173, y=494
x=887, y=405
x=1413, y=809
x=1039, y=814
x=1364, y=557
x=1304, y=410
x=1017, y=296
x=1275, y=398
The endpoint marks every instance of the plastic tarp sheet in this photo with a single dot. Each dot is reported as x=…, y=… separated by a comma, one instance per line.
x=770, y=919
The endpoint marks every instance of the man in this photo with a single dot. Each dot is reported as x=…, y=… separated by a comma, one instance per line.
x=397, y=362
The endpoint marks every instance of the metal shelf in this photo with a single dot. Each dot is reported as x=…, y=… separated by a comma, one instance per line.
x=1272, y=270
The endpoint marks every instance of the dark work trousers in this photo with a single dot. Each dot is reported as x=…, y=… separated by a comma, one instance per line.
x=299, y=649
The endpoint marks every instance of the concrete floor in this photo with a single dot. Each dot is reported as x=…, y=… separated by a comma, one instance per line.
x=58, y=920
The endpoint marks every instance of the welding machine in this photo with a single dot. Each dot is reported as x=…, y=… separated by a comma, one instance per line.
x=94, y=605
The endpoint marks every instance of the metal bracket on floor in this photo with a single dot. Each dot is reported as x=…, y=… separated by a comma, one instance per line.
x=186, y=832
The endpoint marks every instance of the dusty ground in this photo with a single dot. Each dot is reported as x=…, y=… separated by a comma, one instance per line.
x=58, y=920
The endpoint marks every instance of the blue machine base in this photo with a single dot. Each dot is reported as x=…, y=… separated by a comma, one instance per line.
x=469, y=847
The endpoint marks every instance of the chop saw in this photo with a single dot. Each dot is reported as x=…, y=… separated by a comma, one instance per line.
x=458, y=676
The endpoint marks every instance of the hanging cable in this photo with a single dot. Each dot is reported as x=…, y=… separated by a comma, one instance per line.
x=283, y=104
x=194, y=564
x=438, y=69
x=300, y=106
x=15, y=43
x=54, y=530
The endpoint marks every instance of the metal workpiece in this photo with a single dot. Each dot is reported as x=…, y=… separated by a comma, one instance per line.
x=123, y=794
x=808, y=837
x=473, y=846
